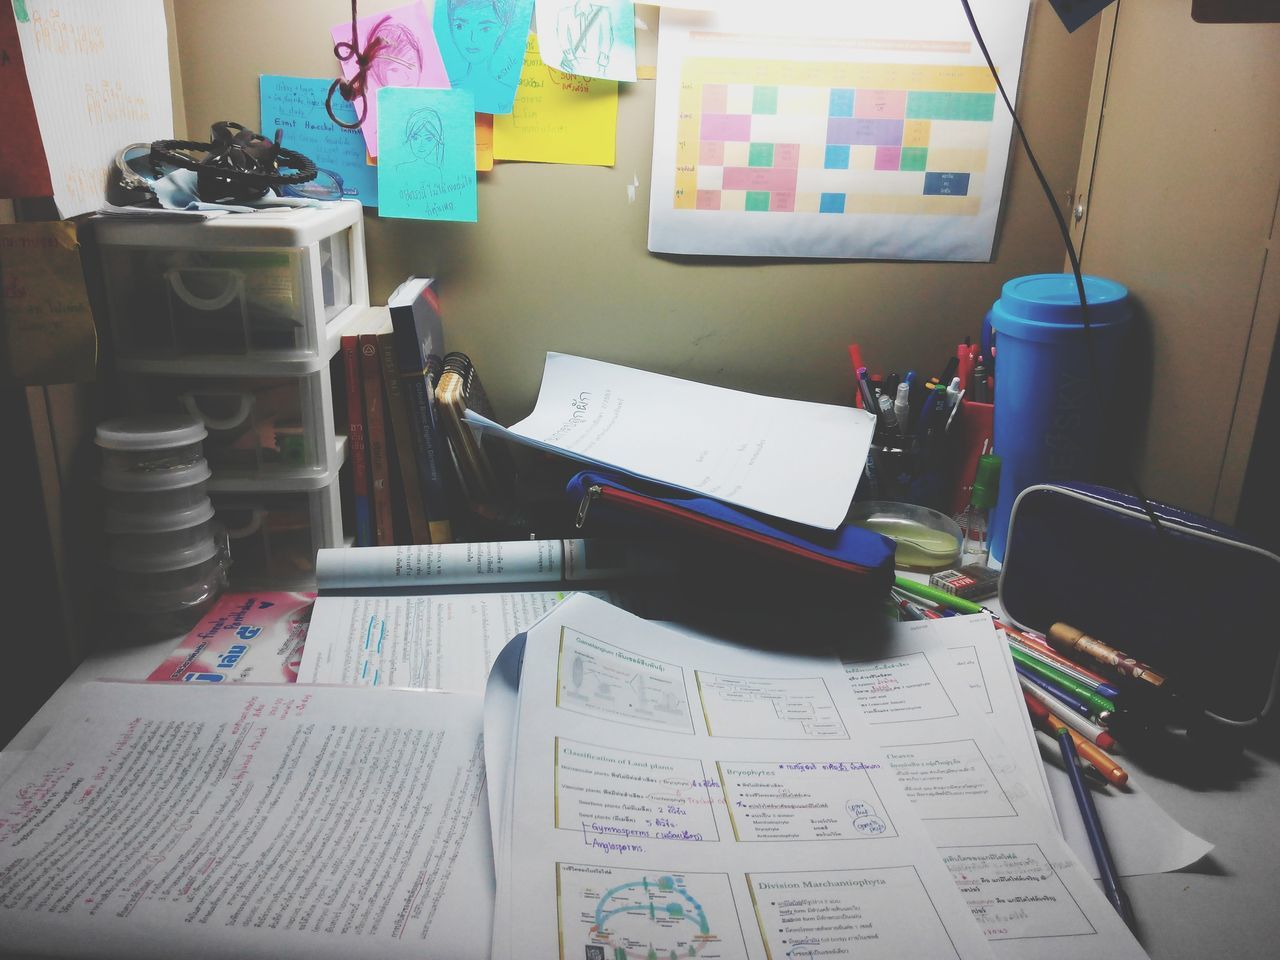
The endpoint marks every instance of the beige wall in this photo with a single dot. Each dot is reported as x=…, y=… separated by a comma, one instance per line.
x=558, y=260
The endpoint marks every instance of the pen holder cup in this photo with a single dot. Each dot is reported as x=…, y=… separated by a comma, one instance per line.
x=905, y=472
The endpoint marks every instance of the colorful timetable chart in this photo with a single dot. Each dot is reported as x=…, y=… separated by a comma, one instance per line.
x=885, y=139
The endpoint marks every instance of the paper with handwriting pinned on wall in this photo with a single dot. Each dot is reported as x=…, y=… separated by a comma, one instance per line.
x=48, y=326
x=295, y=106
x=589, y=38
x=99, y=75
x=427, y=168
x=558, y=117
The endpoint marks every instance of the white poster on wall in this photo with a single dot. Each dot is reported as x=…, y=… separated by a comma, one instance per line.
x=849, y=130
x=99, y=75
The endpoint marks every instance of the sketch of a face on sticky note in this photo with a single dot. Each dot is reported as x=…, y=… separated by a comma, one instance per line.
x=398, y=60
x=482, y=43
x=424, y=138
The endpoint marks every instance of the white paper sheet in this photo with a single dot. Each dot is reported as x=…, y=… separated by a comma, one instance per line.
x=445, y=642
x=954, y=735
x=99, y=75
x=822, y=128
x=789, y=458
x=1143, y=838
x=634, y=828
x=250, y=821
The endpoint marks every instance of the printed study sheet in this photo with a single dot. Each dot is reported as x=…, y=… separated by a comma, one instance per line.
x=788, y=458
x=677, y=797
x=250, y=820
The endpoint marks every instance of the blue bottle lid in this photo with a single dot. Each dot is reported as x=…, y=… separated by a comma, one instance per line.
x=1052, y=298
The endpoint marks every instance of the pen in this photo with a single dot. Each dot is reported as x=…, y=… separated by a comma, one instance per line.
x=902, y=405
x=1100, y=704
x=1086, y=728
x=855, y=360
x=964, y=370
x=1057, y=692
x=1047, y=720
x=1093, y=827
x=1094, y=683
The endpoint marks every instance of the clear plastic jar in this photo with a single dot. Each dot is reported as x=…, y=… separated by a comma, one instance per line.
x=160, y=491
x=160, y=532
x=146, y=444
x=165, y=592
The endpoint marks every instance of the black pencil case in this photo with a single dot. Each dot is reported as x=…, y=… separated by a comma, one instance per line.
x=1188, y=598
x=732, y=555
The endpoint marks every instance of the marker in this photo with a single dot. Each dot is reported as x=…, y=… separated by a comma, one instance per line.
x=937, y=595
x=1065, y=635
x=855, y=361
x=1096, y=684
x=966, y=356
x=902, y=403
x=1086, y=728
x=980, y=381
x=1101, y=705
x=953, y=393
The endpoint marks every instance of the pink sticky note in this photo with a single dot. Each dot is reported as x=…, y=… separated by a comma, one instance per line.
x=408, y=57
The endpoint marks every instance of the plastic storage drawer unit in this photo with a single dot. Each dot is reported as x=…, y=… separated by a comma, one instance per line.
x=268, y=286
x=257, y=425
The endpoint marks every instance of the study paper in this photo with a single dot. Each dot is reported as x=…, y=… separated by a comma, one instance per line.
x=788, y=458
x=99, y=77
x=957, y=745
x=679, y=797
x=245, y=821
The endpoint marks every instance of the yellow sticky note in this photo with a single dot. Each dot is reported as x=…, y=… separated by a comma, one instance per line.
x=48, y=326
x=558, y=117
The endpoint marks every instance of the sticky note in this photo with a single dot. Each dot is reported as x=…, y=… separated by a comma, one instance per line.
x=558, y=117
x=427, y=161
x=482, y=43
x=295, y=107
x=589, y=38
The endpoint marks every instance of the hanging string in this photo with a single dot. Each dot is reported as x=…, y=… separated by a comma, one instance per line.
x=355, y=89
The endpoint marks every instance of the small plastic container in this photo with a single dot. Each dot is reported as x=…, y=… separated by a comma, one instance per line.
x=156, y=531
x=145, y=444
x=167, y=591
x=158, y=492
x=926, y=539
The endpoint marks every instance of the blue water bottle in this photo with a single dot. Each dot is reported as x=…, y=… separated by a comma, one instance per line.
x=1047, y=414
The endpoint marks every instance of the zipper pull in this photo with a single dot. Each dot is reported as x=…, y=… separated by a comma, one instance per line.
x=593, y=491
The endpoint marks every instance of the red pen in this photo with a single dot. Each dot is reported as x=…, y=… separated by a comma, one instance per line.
x=964, y=368
x=855, y=358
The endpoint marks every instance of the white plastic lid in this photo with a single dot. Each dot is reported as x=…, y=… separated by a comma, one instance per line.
x=151, y=481
x=164, y=521
x=133, y=559
x=159, y=431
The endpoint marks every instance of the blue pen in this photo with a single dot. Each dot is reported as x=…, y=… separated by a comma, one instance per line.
x=1093, y=828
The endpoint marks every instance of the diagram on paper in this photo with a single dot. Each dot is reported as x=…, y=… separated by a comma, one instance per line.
x=787, y=801
x=609, y=913
x=599, y=679
x=795, y=708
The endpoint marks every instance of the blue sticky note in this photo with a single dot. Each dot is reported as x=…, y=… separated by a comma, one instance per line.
x=295, y=106
x=426, y=153
x=482, y=43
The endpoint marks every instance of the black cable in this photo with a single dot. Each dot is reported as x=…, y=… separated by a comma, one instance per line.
x=1091, y=362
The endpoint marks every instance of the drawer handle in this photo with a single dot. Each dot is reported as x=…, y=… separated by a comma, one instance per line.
x=192, y=403
x=234, y=287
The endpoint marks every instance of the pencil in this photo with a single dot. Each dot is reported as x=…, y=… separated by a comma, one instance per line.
x=1093, y=827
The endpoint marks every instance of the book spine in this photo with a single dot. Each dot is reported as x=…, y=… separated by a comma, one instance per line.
x=355, y=442
x=402, y=437
x=431, y=446
x=376, y=441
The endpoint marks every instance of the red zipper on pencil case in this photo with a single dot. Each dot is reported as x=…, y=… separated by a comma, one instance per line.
x=726, y=531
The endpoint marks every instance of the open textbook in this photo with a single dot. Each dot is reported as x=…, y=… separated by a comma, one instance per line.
x=694, y=798
x=250, y=820
x=435, y=616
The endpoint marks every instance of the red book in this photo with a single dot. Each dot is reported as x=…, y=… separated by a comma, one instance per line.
x=376, y=440
x=355, y=442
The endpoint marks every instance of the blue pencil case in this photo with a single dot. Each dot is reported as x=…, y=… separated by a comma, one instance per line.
x=749, y=555
x=1188, y=598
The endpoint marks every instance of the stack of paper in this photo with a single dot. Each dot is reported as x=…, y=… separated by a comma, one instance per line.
x=655, y=793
